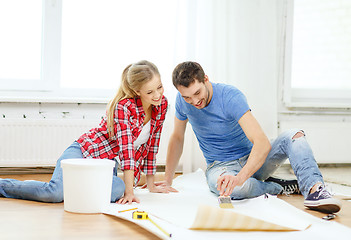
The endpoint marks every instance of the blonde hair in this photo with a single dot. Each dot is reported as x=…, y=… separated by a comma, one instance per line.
x=134, y=76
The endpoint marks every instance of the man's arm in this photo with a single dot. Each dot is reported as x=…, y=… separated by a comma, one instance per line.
x=259, y=152
x=175, y=149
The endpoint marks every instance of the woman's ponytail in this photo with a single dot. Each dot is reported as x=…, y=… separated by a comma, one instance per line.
x=123, y=92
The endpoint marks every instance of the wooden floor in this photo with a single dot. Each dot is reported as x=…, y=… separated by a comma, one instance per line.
x=22, y=219
x=343, y=217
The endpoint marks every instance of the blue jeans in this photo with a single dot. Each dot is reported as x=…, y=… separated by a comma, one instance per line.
x=301, y=159
x=53, y=190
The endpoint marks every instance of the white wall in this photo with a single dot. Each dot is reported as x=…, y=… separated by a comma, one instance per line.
x=243, y=53
x=253, y=64
x=247, y=53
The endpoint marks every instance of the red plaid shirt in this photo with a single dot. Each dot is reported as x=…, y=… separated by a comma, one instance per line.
x=129, y=118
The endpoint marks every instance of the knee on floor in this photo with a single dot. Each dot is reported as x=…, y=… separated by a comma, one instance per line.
x=243, y=191
x=53, y=197
x=118, y=188
x=117, y=194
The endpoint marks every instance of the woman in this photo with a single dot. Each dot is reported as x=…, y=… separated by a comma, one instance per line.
x=129, y=134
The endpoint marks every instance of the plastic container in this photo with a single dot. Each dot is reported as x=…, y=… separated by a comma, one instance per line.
x=87, y=184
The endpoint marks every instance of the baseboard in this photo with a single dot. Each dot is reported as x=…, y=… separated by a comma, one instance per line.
x=50, y=170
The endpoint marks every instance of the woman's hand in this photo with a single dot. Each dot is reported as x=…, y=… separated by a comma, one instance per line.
x=128, y=199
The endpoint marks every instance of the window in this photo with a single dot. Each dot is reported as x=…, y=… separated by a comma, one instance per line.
x=20, y=43
x=318, y=68
x=77, y=49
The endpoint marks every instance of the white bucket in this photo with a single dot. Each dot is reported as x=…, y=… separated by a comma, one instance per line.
x=87, y=184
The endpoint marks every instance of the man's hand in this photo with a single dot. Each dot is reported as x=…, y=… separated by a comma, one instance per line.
x=158, y=189
x=163, y=185
x=128, y=198
x=227, y=183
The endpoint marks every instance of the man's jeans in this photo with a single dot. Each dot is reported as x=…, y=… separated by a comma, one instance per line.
x=53, y=190
x=301, y=159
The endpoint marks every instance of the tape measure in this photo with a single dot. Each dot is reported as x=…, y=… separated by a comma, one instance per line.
x=141, y=215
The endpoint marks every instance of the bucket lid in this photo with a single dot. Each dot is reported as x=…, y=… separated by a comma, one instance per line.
x=87, y=162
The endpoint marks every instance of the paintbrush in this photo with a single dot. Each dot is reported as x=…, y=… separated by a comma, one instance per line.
x=225, y=202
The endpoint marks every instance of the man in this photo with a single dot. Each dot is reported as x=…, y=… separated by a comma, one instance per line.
x=239, y=156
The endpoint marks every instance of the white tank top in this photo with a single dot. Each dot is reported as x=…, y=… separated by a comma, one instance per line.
x=143, y=136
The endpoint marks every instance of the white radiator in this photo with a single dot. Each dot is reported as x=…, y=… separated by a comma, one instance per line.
x=38, y=142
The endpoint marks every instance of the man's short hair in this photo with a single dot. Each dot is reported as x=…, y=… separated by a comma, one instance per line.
x=186, y=73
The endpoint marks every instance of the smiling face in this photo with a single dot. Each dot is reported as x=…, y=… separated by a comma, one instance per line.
x=151, y=92
x=198, y=94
